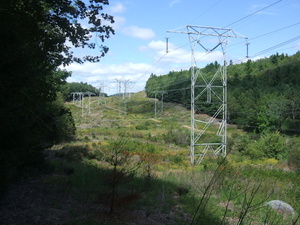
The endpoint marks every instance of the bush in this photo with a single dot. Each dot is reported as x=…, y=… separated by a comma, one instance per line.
x=270, y=145
x=73, y=152
x=177, y=137
x=238, y=143
x=294, y=154
x=143, y=126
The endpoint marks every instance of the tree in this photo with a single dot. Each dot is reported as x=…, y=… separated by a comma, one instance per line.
x=269, y=145
x=294, y=154
x=35, y=40
x=123, y=166
x=249, y=67
x=78, y=87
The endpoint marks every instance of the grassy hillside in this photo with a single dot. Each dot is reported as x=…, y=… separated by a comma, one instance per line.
x=134, y=168
x=263, y=95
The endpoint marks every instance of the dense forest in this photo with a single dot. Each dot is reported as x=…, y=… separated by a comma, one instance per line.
x=79, y=87
x=35, y=41
x=263, y=95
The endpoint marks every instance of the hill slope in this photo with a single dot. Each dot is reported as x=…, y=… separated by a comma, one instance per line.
x=262, y=94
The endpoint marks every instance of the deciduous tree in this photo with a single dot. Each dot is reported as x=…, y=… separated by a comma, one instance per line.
x=36, y=38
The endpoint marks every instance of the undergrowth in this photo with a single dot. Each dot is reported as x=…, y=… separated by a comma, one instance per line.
x=233, y=190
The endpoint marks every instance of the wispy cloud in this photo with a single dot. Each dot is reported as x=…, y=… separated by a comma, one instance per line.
x=257, y=7
x=138, y=32
x=296, y=6
x=174, y=2
x=117, y=8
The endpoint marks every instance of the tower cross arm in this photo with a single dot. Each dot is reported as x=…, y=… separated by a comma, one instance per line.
x=208, y=31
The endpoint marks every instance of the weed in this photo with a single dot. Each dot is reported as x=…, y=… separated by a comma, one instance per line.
x=182, y=190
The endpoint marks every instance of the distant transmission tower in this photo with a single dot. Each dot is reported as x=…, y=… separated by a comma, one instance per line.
x=208, y=91
x=159, y=108
x=101, y=97
x=123, y=86
x=80, y=101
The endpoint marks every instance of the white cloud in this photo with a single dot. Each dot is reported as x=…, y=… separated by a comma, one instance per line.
x=111, y=70
x=157, y=45
x=184, y=56
x=137, y=32
x=154, y=45
x=180, y=55
x=176, y=59
x=92, y=73
x=117, y=8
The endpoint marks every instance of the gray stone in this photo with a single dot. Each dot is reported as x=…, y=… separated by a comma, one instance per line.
x=281, y=206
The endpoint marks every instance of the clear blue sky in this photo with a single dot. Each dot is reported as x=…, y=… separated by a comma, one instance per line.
x=138, y=47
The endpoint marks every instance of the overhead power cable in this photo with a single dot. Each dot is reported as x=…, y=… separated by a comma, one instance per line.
x=268, y=6
x=151, y=67
x=262, y=35
x=275, y=31
x=205, y=11
x=157, y=61
x=276, y=46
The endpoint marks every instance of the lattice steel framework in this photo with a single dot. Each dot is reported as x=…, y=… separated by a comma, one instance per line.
x=78, y=100
x=208, y=90
x=159, y=105
x=123, y=86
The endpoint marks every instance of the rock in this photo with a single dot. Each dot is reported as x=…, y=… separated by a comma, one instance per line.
x=281, y=206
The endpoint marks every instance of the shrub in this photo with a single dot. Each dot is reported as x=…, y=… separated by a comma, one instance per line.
x=182, y=190
x=178, y=137
x=73, y=152
x=294, y=154
x=238, y=143
x=270, y=145
x=177, y=159
x=143, y=126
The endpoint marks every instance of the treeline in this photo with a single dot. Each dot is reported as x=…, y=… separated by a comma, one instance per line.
x=263, y=95
x=79, y=87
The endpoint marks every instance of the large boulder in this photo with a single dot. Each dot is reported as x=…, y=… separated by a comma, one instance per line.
x=280, y=206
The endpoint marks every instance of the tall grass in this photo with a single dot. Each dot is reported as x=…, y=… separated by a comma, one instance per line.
x=225, y=191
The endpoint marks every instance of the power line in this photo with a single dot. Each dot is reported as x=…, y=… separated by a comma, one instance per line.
x=262, y=35
x=276, y=46
x=275, y=31
x=168, y=51
x=189, y=42
x=274, y=3
x=205, y=11
x=157, y=61
x=151, y=67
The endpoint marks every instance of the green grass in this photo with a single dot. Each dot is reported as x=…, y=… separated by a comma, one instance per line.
x=162, y=144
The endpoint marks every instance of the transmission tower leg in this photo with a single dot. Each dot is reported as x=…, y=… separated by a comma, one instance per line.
x=82, y=105
x=192, y=152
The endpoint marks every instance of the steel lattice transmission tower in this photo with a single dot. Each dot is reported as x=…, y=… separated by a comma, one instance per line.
x=125, y=85
x=208, y=90
x=159, y=108
x=80, y=101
